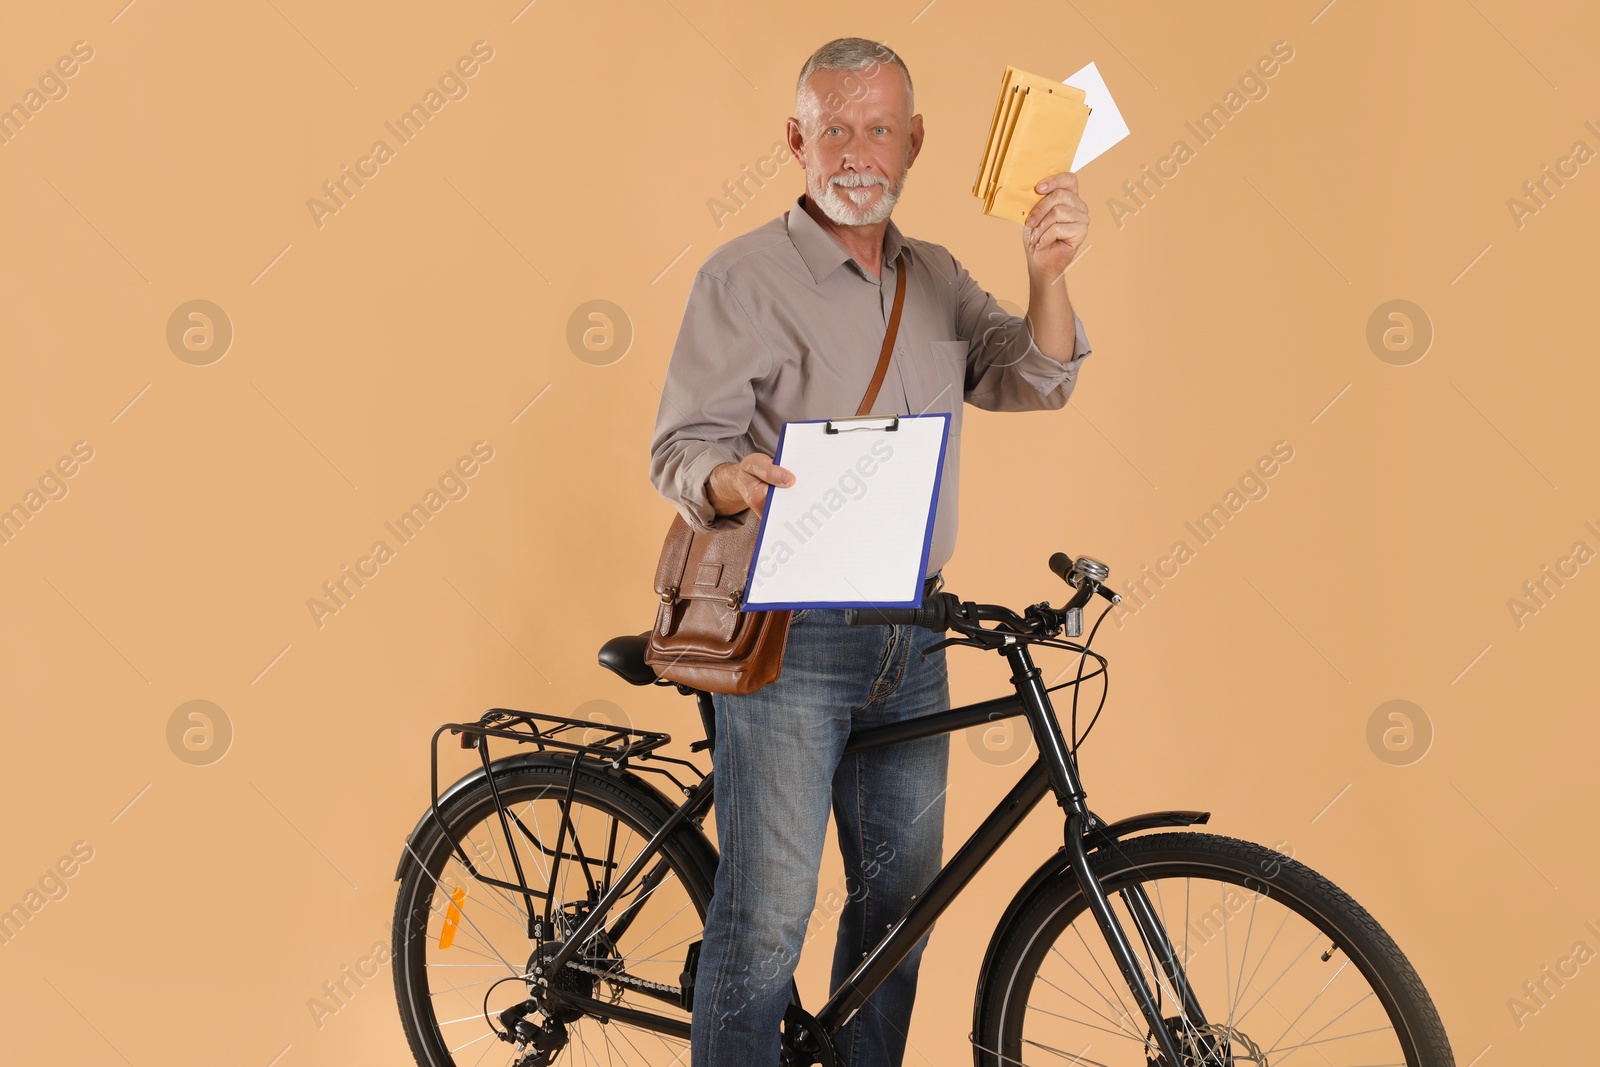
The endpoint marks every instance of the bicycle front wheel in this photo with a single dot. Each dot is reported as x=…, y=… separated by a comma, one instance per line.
x=1282, y=964
x=463, y=950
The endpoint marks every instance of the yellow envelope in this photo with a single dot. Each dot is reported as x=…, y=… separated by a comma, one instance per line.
x=1052, y=125
x=1004, y=112
x=1008, y=123
x=1042, y=141
x=1013, y=85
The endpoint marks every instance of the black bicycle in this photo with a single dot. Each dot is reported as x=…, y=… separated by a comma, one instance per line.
x=553, y=900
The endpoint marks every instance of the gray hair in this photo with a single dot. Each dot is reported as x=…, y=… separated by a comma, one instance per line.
x=847, y=54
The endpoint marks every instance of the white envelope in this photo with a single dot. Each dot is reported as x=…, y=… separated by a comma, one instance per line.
x=1106, y=126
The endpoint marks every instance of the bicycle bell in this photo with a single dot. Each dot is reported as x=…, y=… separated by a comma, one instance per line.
x=1083, y=568
x=1091, y=569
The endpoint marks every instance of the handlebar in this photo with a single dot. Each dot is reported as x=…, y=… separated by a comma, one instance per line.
x=946, y=611
x=934, y=614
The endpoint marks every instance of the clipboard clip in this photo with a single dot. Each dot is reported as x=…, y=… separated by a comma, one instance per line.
x=846, y=424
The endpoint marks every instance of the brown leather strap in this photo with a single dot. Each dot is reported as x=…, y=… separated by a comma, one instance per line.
x=888, y=338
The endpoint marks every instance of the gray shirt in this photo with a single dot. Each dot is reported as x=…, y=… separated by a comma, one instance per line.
x=782, y=324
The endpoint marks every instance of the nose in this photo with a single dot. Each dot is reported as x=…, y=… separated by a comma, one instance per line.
x=856, y=165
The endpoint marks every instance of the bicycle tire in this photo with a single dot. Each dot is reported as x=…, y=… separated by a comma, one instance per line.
x=1022, y=952
x=421, y=899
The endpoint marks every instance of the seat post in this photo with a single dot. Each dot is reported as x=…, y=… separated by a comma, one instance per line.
x=708, y=716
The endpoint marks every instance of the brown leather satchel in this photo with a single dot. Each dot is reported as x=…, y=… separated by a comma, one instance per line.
x=701, y=639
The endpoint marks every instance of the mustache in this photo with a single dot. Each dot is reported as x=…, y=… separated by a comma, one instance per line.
x=853, y=181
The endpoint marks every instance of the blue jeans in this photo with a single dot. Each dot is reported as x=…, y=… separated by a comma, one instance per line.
x=780, y=767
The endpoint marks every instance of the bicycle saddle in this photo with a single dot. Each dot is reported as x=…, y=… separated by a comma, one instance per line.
x=625, y=657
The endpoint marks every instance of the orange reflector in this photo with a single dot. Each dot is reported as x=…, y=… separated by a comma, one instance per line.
x=452, y=916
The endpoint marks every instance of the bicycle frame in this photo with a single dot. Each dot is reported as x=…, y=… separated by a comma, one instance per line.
x=1053, y=771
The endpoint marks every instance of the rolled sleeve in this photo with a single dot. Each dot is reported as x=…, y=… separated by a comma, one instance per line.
x=707, y=400
x=1006, y=368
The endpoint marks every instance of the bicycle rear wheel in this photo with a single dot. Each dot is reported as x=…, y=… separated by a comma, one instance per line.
x=1284, y=965
x=462, y=949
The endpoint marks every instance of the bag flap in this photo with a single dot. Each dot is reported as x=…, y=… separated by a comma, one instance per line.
x=674, y=554
x=707, y=565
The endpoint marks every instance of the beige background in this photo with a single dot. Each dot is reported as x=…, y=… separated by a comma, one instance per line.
x=1227, y=313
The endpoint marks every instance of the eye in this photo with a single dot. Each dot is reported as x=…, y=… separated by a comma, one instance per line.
x=884, y=128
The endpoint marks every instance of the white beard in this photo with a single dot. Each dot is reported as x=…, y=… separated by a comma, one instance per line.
x=837, y=203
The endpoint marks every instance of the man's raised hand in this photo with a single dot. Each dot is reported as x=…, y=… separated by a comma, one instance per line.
x=1055, y=229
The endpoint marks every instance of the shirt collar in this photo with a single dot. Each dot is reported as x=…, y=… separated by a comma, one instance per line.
x=822, y=253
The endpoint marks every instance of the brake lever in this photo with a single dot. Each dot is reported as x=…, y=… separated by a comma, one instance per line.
x=964, y=619
x=947, y=641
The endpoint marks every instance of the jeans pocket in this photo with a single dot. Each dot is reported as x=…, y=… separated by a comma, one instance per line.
x=798, y=614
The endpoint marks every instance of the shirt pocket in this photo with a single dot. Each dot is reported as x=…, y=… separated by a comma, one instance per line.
x=940, y=384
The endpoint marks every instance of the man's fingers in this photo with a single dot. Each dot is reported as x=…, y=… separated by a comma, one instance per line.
x=1067, y=180
x=760, y=465
x=1059, y=204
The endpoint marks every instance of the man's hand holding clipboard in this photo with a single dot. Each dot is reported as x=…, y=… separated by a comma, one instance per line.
x=732, y=487
x=854, y=527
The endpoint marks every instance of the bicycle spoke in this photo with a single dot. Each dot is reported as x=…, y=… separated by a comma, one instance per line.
x=438, y=885
x=1079, y=1022
x=640, y=944
x=1314, y=1000
x=469, y=985
x=1069, y=1057
x=1233, y=1002
x=500, y=867
x=1231, y=952
x=547, y=873
x=486, y=1049
x=1115, y=988
x=474, y=1041
x=1130, y=1034
x=512, y=910
x=459, y=992
x=1275, y=981
x=1227, y=958
x=1262, y=962
x=662, y=955
x=433, y=908
x=1326, y=1040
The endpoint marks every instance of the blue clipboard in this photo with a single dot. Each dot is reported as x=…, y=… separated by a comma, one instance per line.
x=853, y=425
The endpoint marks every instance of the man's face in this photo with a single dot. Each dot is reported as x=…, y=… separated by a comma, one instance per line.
x=861, y=145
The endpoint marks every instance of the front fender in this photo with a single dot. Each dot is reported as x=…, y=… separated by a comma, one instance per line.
x=1057, y=864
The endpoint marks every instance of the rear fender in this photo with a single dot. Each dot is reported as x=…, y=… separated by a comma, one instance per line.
x=506, y=764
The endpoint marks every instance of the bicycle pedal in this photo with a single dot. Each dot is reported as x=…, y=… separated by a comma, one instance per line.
x=691, y=965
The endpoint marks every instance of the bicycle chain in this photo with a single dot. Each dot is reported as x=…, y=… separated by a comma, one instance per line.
x=623, y=978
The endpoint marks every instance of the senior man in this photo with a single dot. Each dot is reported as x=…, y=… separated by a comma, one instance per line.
x=786, y=323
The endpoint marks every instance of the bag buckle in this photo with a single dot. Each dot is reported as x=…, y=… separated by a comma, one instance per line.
x=669, y=595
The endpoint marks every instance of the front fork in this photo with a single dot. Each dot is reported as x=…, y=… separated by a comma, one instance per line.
x=1151, y=932
x=1069, y=792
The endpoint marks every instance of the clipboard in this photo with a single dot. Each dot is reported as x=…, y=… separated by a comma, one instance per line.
x=856, y=528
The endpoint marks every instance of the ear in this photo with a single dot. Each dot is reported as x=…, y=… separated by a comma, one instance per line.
x=795, y=140
x=916, y=138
